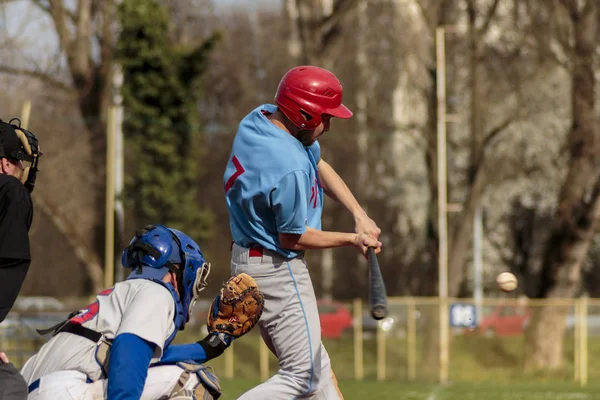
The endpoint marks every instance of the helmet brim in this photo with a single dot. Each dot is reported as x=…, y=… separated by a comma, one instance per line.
x=341, y=111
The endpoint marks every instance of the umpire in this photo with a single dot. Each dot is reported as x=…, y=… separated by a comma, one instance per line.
x=19, y=155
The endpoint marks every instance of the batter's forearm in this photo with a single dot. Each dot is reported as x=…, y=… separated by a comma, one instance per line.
x=316, y=239
x=335, y=188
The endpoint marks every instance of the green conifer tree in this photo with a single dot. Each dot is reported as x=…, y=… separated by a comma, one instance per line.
x=164, y=145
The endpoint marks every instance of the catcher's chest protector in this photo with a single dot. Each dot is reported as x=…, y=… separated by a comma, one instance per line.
x=206, y=387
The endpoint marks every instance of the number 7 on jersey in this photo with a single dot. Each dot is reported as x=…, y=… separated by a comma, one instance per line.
x=239, y=170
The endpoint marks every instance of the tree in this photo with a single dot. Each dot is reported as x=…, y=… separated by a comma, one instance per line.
x=520, y=247
x=160, y=96
x=434, y=14
x=316, y=28
x=86, y=33
x=85, y=29
x=479, y=139
x=576, y=217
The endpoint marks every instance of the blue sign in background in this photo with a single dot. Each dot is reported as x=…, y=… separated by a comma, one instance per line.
x=463, y=315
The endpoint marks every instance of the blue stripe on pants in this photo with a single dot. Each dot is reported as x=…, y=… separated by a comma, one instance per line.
x=312, y=364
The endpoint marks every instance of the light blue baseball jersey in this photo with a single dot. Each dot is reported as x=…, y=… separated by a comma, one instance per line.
x=271, y=184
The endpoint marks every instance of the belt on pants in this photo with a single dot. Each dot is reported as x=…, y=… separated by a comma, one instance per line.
x=36, y=384
x=253, y=251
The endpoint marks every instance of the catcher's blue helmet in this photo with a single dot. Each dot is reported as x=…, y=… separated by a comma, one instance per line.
x=156, y=249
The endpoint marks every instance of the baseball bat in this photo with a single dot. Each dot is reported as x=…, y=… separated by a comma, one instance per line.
x=377, y=293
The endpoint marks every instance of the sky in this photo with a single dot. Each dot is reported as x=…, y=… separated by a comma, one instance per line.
x=28, y=28
x=31, y=31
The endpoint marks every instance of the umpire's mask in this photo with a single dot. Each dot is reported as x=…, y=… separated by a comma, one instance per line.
x=19, y=144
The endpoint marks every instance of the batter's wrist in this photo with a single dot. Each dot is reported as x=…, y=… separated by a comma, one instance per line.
x=354, y=239
x=359, y=214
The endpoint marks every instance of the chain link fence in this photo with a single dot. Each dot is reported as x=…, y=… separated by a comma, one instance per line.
x=487, y=340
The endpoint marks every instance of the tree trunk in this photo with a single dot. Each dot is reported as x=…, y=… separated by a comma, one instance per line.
x=84, y=254
x=463, y=233
x=361, y=97
x=429, y=271
x=576, y=218
x=91, y=73
x=294, y=40
x=544, y=340
x=561, y=277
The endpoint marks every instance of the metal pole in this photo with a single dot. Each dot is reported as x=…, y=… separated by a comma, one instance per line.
x=263, y=353
x=478, y=262
x=358, y=341
x=381, y=360
x=327, y=266
x=442, y=201
x=229, y=362
x=577, y=338
x=119, y=167
x=109, y=232
x=411, y=342
x=583, y=342
x=25, y=113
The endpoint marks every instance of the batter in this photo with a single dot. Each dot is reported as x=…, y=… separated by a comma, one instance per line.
x=274, y=184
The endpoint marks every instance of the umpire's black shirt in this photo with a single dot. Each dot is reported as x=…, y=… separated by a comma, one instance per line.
x=16, y=214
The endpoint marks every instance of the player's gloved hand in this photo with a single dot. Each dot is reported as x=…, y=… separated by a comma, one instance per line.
x=236, y=310
x=363, y=241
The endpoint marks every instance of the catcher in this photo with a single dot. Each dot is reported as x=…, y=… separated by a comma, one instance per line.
x=119, y=347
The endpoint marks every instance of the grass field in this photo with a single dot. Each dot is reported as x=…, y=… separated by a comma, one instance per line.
x=481, y=367
x=371, y=390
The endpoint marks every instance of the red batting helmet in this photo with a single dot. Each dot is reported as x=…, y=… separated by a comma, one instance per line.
x=306, y=93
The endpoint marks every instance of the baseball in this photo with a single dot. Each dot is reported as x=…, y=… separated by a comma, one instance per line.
x=507, y=281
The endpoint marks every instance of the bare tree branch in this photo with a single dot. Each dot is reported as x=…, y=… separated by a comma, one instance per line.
x=488, y=18
x=571, y=7
x=37, y=74
x=501, y=249
x=563, y=35
x=44, y=6
x=494, y=132
x=81, y=48
x=562, y=60
x=329, y=23
x=57, y=11
x=415, y=133
x=423, y=8
x=302, y=30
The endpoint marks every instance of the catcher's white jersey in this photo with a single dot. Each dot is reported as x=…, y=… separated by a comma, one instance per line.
x=138, y=306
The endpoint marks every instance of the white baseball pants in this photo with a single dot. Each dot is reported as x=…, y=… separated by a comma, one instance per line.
x=289, y=326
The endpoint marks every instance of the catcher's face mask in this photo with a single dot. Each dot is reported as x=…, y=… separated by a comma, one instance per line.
x=200, y=283
x=195, y=270
x=24, y=148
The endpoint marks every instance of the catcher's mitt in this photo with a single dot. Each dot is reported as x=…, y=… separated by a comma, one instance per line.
x=237, y=309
